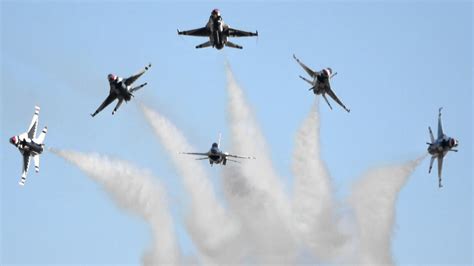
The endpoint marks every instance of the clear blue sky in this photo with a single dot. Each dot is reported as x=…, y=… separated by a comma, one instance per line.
x=396, y=63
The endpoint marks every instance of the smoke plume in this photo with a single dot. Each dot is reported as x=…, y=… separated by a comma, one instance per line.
x=373, y=200
x=253, y=188
x=260, y=225
x=313, y=204
x=136, y=191
x=214, y=232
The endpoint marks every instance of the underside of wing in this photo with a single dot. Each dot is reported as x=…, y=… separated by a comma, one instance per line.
x=239, y=33
x=440, y=168
x=128, y=81
x=440, y=125
x=201, y=32
x=26, y=164
x=195, y=153
x=107, y=101
x=240, y=156
x=34, y=124
x=334, y=97
x=307, y=69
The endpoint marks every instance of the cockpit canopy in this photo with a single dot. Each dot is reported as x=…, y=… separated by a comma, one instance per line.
x=215, y=146
x=216, y=13
x=453, y=143
x=14, y=140
x=327, y=72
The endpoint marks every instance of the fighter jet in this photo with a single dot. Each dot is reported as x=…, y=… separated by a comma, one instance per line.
x=439, y=147
x=121, y=89
x=29, y=145
x=216, y=156
x=217, y=32
x=321, y=83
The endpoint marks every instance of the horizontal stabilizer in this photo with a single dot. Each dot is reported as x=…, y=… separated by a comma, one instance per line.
x=138, y=87
x=22, y=180
x=36, y=160
x=233, y=45
x=41, y=136
x=431, y=135
x=307, y=80
x=203, y=45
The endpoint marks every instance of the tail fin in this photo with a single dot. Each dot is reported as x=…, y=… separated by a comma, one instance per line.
x=219, y=142
x=41, y=136
x=431, y=135
x=36, y=160
x=233, y=45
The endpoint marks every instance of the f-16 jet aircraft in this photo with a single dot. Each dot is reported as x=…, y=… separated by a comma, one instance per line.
x=218, y=33
x=439, y=147
x=121, y=89
x=29, y=145
x=321, y=83
x=216, y=156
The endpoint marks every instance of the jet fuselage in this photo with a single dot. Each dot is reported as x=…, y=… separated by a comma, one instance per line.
x=28, y=147
x=442, y=146
x=217, y=37
x=321, y=82
x=216, y=156
x=121, y=89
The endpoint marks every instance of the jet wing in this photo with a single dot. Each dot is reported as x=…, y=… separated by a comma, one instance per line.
x=195, y=153
x=239, y=156
x=34, y=124
x=107, y=101
x=307, y=69
x=440, y=125
x=440, y=168
x=240, y=33
x=334, y=97
x=128, y=81
x=201, y=32
x=26, y=164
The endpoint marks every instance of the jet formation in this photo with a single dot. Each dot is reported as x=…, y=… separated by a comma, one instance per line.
x=320, y=83
x=439, y=147
x=216, y=156
x=218, y=33
x=29, y=145
x=121, y=89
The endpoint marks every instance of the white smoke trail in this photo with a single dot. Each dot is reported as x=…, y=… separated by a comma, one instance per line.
x=373, y=199
x=253, y=188
x=313, y=203
x=133, y=190
x=214, y=232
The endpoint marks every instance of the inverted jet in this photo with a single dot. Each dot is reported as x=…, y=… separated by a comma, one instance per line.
x=216, y=156
x=320, y=83
x=30, y=146
x=439, y=147
x=121, y=89
x=218, y=33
